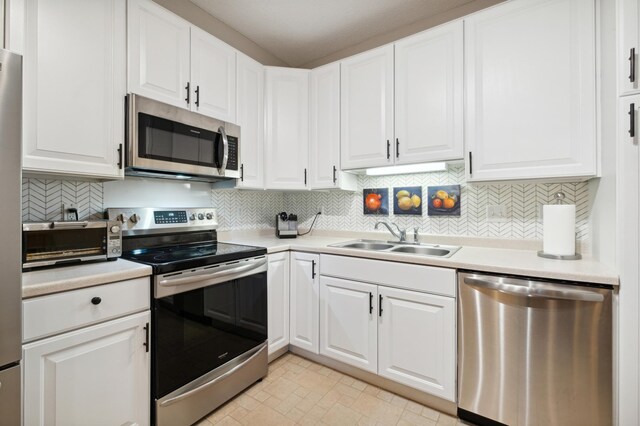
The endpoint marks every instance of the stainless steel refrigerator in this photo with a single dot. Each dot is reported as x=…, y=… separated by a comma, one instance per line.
x=10, y=237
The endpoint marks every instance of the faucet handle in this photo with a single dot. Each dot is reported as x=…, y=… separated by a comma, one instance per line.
x=415, y=234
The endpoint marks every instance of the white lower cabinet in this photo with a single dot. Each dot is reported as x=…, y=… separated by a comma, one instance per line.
x=348, y=312
x=384, y=317
x=97, y=375
x=278, y=301
x=416, y=340
x=305, y=301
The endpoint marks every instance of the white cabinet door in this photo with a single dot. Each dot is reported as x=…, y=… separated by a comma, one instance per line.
x=628, y=245
x=531, y=90
x=213, y=76
x=74, y=87
x=251, y=120
x=278, y=299
x=324, y=131
x=628, y=46
x=159, y=58
x=429, y=96
x=305, y=301
x=417, y=341
x=97, y=375
x=287, y=116
x=367, y=109
x=348, y=328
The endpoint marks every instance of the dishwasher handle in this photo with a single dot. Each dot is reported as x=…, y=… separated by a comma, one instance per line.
x=532, y=289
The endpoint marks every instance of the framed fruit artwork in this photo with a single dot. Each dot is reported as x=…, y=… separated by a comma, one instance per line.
x=443, y=200
x=407, y=200
x=375, y=201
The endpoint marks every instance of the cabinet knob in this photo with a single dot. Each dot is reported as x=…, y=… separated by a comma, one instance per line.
x=96, y=300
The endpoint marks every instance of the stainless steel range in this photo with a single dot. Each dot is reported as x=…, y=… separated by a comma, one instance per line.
x=209, y=309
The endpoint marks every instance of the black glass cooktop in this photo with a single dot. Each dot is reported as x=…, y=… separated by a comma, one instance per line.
x=177, y=258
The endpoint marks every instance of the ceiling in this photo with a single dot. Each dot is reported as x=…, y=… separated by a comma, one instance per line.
x=301, y=31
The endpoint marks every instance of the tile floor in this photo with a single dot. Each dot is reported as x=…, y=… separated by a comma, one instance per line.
x=298, y=391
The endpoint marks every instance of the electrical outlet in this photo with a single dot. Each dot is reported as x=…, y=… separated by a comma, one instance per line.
x=497, y=213
x=69, y=211
x=320, y=209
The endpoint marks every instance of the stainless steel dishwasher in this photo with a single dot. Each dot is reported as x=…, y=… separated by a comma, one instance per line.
x=533, y=352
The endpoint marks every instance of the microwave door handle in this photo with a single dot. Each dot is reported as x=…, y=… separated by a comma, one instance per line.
x=208, y=274
x=225, y=144
x=69, y=225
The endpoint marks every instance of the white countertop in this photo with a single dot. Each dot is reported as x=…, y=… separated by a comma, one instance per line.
x=54, y=280
x=497, y=260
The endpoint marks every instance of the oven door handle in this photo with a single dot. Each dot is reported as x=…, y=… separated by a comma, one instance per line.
x=208, y=274
x=213, y=381
x=69, y=225
x=225, y=147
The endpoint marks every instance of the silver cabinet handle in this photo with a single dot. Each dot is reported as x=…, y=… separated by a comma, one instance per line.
x=214, y=381
x=225, y=143
x=532, y=289
x=208, y=274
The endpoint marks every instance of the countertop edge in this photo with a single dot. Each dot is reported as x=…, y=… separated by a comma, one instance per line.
x=94, y=278
x=452, y=263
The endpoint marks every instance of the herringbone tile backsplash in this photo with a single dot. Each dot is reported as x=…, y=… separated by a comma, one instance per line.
x=42, y=200
x=344, y=210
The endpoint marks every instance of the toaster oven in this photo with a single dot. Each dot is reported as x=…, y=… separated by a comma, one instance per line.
x=46, y=244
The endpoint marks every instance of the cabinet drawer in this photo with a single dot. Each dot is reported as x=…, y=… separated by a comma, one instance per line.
x=421, y=278
x=56, y=313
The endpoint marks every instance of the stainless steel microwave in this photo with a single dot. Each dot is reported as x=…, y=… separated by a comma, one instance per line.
x=46, y=244
x=169, y=142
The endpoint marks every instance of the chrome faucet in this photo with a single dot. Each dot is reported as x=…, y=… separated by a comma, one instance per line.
x=400, y=235
x=416, y=237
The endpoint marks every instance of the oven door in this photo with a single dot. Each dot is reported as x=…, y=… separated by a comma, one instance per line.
x=201, y=335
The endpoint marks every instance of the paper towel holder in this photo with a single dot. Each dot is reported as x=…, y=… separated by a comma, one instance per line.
x=559, y=199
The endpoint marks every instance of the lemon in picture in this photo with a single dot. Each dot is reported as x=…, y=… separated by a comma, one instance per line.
x=416, y=200
x=443, y=195
x=405, y=203
x=402, y=193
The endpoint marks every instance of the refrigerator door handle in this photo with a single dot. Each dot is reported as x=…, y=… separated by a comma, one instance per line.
x=533, y=291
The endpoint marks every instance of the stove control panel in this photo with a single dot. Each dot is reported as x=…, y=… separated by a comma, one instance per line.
x=150, y=220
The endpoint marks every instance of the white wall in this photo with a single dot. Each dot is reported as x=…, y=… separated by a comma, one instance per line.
x=134, y=192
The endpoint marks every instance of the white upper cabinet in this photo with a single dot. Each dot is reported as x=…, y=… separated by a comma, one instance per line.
x=530, y=70
x=179, y=64
x=429, y=95
x=159, y=58
x=324, y=130
x=74, y=85
x=367, y=109
x=287, y=128
x=213, y=76
x=628, y=46
x=250, y=83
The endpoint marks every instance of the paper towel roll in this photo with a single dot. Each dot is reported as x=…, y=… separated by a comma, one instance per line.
x=559, y=224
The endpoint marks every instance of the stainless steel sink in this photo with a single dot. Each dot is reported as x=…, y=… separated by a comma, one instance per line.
x=368, y=245
x=426, y=251
x=400, y=248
